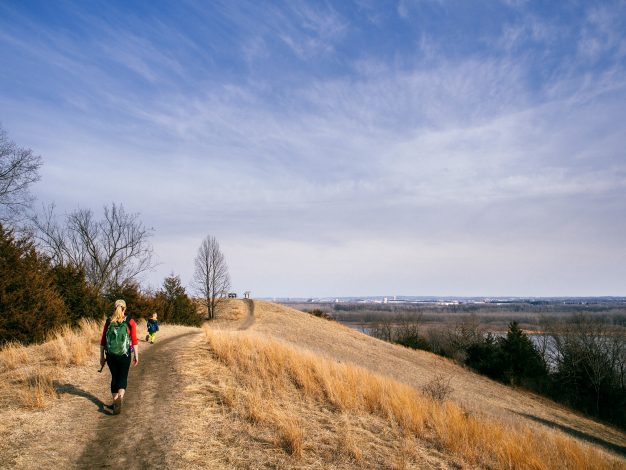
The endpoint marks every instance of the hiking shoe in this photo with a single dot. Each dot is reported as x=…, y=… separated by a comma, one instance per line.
x=117, y=405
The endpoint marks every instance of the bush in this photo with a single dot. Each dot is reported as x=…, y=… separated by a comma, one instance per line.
x=486, y=357
x=316, y=312
x=523, y=363
x=407, y=334
x=174, y=305
x=30, y=306
x=80, y=299
x=439, y=388
x=512, y=359
x=590, y=366
x=138, y=304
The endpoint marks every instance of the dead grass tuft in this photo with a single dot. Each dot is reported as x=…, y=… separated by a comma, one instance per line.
x=291, y=434
x=13, y=355
x=35, y=387
x=346, y=441
x=439, y=388
x=269, y=369
x=28, y=373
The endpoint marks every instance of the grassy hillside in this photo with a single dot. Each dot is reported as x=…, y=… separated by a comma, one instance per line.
x=283, y=389
x=265, y=386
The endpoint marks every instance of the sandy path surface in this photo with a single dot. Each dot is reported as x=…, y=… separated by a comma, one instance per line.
x=249, y=320
x=141, y=436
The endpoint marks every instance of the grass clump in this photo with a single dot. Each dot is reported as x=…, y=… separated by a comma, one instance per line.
x=35, y=387
x=12, y=356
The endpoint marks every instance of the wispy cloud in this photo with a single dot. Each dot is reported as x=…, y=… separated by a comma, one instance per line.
x=313, y=137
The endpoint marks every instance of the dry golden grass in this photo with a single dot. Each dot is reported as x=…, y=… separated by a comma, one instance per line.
x=478, y=394
x=12, y=356
x=347, y=443
x=28, y=374
x=73, y=346
x=290, y=433
x=245, y=400
x=229, y=424
x=269, y=370
x=36, y=386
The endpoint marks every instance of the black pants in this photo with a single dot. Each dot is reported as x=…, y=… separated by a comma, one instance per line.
x=118, y=365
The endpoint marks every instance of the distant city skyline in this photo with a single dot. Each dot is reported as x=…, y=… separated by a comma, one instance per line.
x=338, y=148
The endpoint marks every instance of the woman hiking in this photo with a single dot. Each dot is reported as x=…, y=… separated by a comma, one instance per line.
x=119, y=340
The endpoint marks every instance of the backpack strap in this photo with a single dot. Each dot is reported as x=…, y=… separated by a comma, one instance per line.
x=107, y=323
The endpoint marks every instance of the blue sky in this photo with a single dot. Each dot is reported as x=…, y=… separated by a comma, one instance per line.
x=424, y=147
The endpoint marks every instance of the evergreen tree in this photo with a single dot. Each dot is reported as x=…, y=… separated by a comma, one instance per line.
x=523, y=363
x=30, y=306
x=174, y=304
x=138, y=304
x=80, y=299
x=487, y=357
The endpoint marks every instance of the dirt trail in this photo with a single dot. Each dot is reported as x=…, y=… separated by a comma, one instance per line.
x=140, y=437
x=249, y=321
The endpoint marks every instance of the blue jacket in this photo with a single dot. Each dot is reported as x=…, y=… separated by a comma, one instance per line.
x=153, y=326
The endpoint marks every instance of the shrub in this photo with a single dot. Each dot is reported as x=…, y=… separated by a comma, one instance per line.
x=30, y=305
x=81, y=300
x=590, y=366
x=317, y=312
x=174, y=305
x=486, y=357
x=512, y=359
x=523, y=363
x=439, y=388
x=138, y=304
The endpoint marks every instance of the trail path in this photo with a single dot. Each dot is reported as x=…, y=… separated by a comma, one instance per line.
x=249, y=321
x=140, y=436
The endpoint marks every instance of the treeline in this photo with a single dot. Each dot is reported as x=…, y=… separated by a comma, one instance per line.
x=355, y=312
x=39, y=293
x=579, y=360
x=495, y=317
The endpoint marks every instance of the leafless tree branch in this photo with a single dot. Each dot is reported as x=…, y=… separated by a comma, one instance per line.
x=211, y=277
x=19, y=168
x=112, y=251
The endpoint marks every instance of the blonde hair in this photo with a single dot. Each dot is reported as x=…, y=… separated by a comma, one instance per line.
x=118, y=314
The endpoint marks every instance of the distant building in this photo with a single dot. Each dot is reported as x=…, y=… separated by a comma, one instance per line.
x=246, y=294
x=232, y=295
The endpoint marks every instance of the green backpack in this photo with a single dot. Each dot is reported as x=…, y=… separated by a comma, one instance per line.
x=118, y=339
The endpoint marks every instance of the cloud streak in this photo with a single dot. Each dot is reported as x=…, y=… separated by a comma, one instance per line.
x=307, y=139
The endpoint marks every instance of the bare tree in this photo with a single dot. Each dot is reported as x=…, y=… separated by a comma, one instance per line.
x=211, y=277
x=590, y=352
x=113, y=251
x=19, y=168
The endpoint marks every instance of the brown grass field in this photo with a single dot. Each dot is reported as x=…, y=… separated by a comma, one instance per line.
x=271, y=387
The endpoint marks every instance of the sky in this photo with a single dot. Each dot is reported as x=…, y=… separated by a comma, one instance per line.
x=346, y=148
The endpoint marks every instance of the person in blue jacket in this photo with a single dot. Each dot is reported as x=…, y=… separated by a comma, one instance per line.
x=153, y=327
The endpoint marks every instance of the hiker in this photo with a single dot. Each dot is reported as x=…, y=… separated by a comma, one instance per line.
x=153, y=327
x=119, y=341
